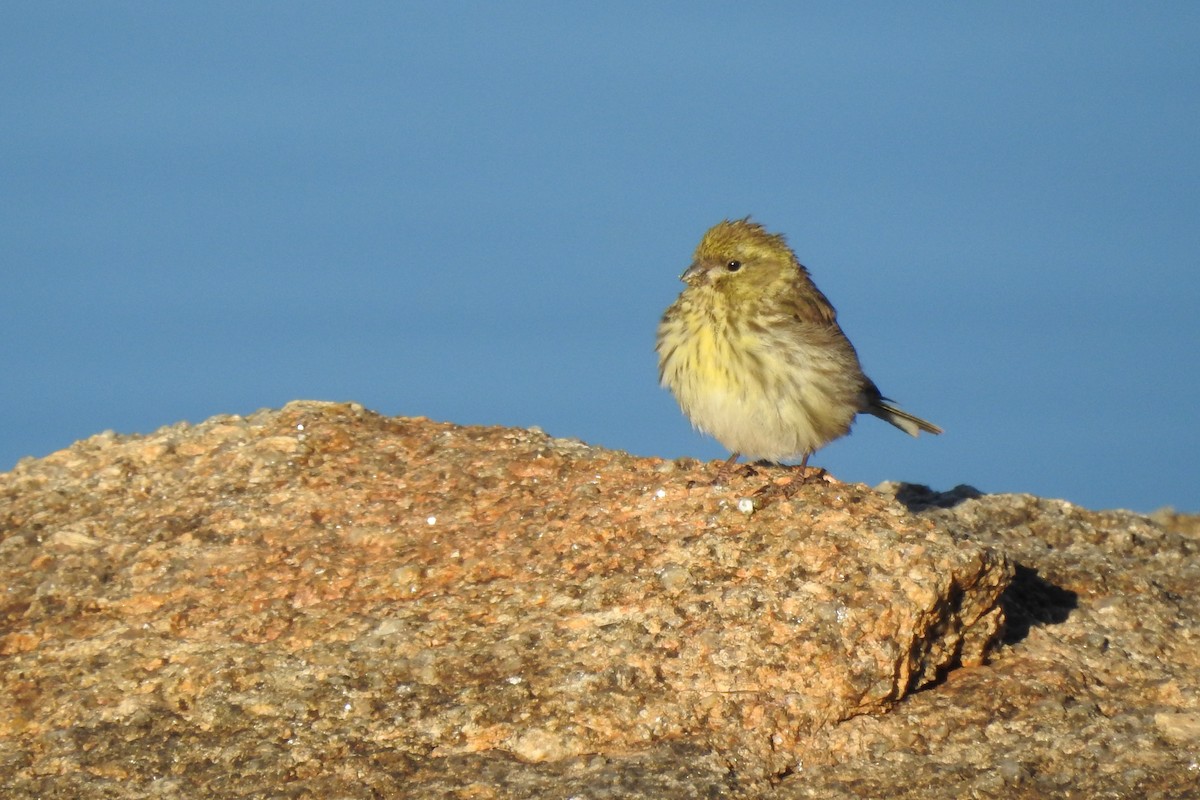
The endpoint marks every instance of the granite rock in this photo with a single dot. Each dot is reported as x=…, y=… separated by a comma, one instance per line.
x=319, y=601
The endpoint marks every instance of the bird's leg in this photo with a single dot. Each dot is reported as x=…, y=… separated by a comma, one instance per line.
x=820, y=471
x=724, y=470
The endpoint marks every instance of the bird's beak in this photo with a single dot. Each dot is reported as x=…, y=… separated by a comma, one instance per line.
x=694, y=269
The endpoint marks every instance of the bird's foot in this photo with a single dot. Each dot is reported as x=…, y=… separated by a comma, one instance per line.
x=787, y=485
x=729, y=468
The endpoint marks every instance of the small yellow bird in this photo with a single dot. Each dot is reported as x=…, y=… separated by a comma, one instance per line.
x=753, y=352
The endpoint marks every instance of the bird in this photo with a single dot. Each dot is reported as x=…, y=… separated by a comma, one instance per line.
x=754, y=355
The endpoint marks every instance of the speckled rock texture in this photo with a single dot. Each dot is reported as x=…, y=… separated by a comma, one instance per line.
x=323, y=602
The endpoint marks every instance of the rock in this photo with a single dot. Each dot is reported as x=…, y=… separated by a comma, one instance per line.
x=322, y=601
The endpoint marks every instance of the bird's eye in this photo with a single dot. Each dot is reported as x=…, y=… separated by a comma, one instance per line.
x=733, y=266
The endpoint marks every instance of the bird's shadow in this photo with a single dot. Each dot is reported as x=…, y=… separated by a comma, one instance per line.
x=917, y=498
x=1030, y=600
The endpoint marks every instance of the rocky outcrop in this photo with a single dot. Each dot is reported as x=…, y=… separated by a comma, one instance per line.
x=322, y=601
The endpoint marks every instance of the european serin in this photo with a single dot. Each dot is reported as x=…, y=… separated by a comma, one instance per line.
x=753, y=352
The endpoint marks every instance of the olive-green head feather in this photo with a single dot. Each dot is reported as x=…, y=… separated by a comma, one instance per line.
x=740, y=261
x=741, y=257
x=744, y=239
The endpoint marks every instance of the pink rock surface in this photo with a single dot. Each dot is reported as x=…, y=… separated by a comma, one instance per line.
x=325, y=600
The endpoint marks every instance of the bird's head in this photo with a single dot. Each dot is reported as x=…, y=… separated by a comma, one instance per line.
x=739, y=256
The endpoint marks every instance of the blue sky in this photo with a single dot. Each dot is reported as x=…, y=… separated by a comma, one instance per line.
x=476, y=212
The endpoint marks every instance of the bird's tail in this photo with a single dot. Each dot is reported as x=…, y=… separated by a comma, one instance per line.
x=903, y=420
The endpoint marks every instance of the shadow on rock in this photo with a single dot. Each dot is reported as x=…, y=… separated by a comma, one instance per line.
x=1031, y=600
x=917, y=498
